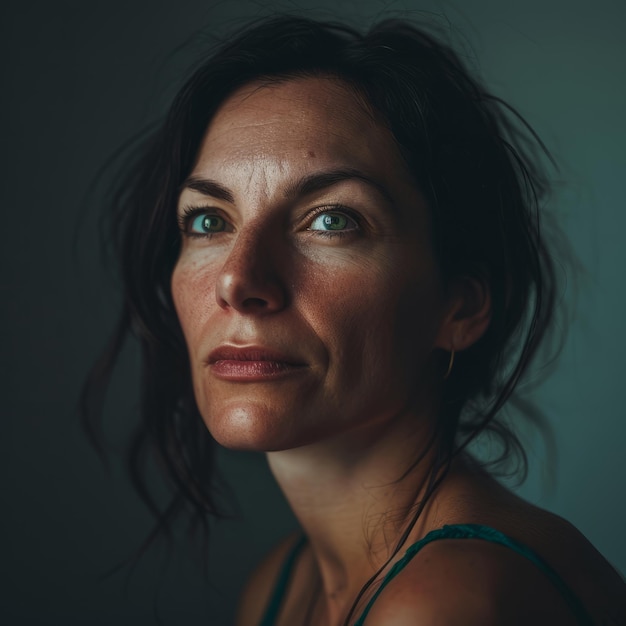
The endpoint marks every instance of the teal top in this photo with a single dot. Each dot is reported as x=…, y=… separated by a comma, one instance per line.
x=455, y=531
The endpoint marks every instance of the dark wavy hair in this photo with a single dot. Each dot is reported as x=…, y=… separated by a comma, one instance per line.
x=479, y=165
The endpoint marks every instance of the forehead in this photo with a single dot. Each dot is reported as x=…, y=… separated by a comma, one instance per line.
x=298, y=123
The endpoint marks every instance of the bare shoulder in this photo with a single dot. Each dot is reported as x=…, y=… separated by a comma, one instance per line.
x=469, y=582
x=493, y=584
x=261, y=583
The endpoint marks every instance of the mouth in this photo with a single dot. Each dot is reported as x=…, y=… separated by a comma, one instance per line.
x=252, y=363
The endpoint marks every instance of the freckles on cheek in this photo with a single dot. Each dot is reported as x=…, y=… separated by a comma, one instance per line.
x=192, y=290
x=356, y=295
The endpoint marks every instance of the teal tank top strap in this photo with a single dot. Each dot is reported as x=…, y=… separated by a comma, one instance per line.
x=478, y=531
x=282, y=582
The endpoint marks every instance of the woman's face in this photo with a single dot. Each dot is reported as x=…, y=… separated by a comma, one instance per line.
x=303, y=235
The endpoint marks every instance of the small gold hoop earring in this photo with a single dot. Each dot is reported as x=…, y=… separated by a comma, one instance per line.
x=450, y=364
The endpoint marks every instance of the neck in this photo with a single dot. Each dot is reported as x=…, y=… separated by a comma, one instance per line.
x=354, y=501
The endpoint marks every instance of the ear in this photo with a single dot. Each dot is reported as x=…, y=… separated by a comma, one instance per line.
x=467, y=313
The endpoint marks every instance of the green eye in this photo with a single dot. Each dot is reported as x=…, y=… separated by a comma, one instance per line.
x=205, y=224
x=332, y=221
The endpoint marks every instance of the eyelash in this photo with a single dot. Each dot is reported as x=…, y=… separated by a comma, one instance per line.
x=335, y=208
x=185, y=219
x=190, y=212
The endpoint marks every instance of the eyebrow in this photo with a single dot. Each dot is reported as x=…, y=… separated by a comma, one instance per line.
x=207, y=188
x=309, y=184
x=322, y=180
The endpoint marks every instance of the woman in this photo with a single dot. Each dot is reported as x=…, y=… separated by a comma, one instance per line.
x=332, y=254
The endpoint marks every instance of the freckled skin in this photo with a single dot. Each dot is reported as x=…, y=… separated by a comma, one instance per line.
x=362, y=311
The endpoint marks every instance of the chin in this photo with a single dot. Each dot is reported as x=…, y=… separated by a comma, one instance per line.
x=249, y=427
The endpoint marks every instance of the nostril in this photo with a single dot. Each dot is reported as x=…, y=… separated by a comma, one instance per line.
x=254, y=303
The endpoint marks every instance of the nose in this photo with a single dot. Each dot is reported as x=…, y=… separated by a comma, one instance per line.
x=251, y=279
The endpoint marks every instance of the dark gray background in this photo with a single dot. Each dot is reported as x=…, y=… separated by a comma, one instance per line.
x=78, y=78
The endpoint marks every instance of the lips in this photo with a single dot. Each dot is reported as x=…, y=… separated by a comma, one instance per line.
x=246, y=364
x=251, y=353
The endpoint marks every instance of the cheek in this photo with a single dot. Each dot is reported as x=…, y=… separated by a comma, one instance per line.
x=378, y=321
x=193, y=291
